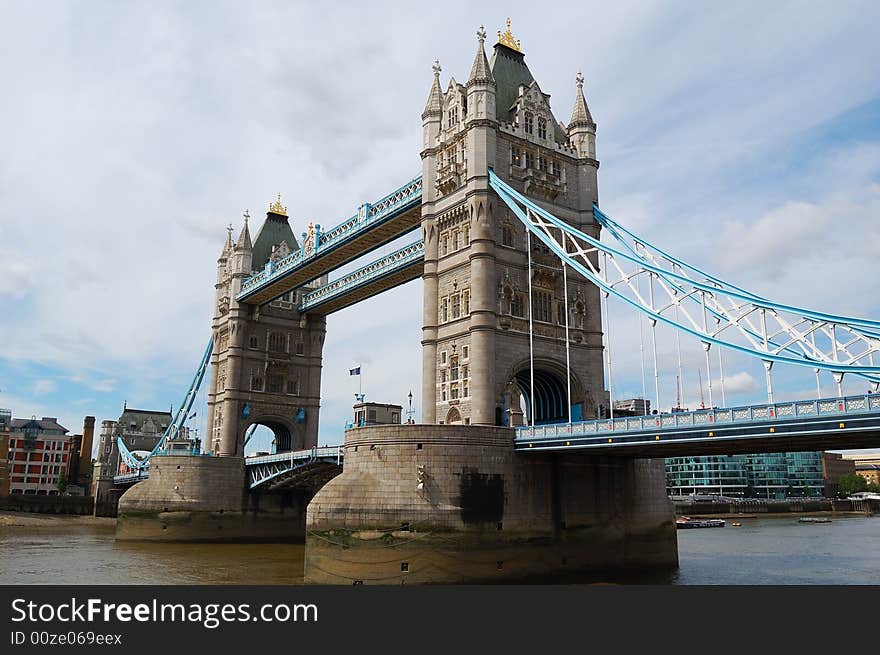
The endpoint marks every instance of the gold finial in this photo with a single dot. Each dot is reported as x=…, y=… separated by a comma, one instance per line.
x=507, y=39
x=277, y=208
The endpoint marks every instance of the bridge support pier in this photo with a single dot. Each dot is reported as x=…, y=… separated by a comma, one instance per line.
x=422, y=504
x=191, y=498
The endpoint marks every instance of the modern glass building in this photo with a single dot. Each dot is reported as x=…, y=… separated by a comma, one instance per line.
x=764, y=475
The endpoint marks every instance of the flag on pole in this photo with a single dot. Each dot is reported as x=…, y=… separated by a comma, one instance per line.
x=354, y=371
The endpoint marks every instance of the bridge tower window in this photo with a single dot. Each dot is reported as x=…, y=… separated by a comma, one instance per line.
x=515, y=156
x=300, y=348
x=516, y=305
x=277, y=342
x=466, y=235
x=542, y=303
x=466, y=304
x=254, y=342
x=529, y=122
x=542, y=163
x=529, y=160
x=507, y=235
x=456, y=306
x=542, y=128
x=256, y=384
x=444, y=310
x=275, y=383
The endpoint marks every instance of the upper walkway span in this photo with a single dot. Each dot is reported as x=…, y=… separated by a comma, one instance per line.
x=326, y=250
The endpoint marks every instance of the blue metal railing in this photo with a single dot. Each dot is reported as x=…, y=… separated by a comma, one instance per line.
x=397, y=260
x=405, y=197
x=296, y=455
x=865, y=404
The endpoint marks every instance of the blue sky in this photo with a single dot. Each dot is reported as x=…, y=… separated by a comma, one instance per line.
x=742, y=137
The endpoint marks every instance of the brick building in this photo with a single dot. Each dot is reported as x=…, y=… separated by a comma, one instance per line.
x=834, y=467
x=38, y=456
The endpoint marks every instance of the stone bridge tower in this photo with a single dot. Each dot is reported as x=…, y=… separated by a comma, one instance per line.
x=476, y=324
x=266, y=362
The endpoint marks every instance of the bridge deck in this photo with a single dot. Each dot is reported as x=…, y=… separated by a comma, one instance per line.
x=838, y=423
x=384, y=274
x=374, y=226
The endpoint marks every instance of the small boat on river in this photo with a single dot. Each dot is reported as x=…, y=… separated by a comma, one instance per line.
x=686, y=522
x=814, y=519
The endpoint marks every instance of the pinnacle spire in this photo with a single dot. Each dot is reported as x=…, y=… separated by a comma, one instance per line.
x=244, y=239
x=480, y=71
x=435, y=95
x=580, y=115
x=228, y=245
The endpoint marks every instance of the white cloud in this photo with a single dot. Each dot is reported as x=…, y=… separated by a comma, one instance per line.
x=739, y=383
x=144, y=130
x=43, y=387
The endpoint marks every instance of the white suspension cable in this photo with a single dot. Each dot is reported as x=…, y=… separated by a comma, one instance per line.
x=818, y=386
x=567, y=349
x=531, y=336
x=706, y=347
x=721, y=372
x=642, y=350
x=767, y=364
x=654, y=343
x=608, y=339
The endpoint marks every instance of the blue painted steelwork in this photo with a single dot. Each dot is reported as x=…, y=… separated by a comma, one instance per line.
x=369, y=216
x=399, y=260
x=263, y=469
x=848, y=345
x=179, y=418
x=661, y=428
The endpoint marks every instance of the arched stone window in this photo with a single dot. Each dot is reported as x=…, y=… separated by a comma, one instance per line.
x=542, y=128
x=453, y=417
x=529, y=122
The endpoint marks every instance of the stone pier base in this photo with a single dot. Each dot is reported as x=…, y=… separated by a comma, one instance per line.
x=454, y=504
x=191, y=498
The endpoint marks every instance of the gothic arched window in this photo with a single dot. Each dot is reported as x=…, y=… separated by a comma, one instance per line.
x=277, y=342
x=542, y=128
x=529, y=122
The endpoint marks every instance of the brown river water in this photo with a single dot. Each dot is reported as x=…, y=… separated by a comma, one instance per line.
x=81, y=550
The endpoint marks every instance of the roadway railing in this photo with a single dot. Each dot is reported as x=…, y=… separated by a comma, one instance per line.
x=824, y=407
x=295, y=455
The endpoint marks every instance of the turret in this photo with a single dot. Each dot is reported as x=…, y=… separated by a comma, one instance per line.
x=244, y=249
x=581, y=128
x=481, y=84
x=433, y=113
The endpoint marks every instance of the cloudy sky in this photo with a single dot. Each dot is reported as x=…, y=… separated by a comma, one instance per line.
x=743, y=137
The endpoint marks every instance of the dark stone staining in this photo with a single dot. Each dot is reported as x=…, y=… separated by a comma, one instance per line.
x=482, y=497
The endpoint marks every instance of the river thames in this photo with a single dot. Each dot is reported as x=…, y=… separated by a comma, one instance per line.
x=62, y=550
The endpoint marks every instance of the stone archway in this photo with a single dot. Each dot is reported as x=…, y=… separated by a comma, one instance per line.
x=550, y=394
x=453, y=417
x=285, y=435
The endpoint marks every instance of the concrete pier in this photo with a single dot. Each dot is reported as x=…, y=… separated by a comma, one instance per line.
x=191, y=498
x=454, y=503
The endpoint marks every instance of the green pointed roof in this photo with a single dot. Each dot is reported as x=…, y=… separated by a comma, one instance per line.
x=509, y=70
x=274, y=230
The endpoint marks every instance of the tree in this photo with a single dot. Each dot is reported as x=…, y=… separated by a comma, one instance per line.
x=62, y=481
x=851, y=483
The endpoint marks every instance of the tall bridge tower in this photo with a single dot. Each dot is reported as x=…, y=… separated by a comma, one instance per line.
x=478, y=296
x=266, y=362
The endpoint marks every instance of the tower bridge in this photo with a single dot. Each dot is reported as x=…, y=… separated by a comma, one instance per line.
x=508, y=475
